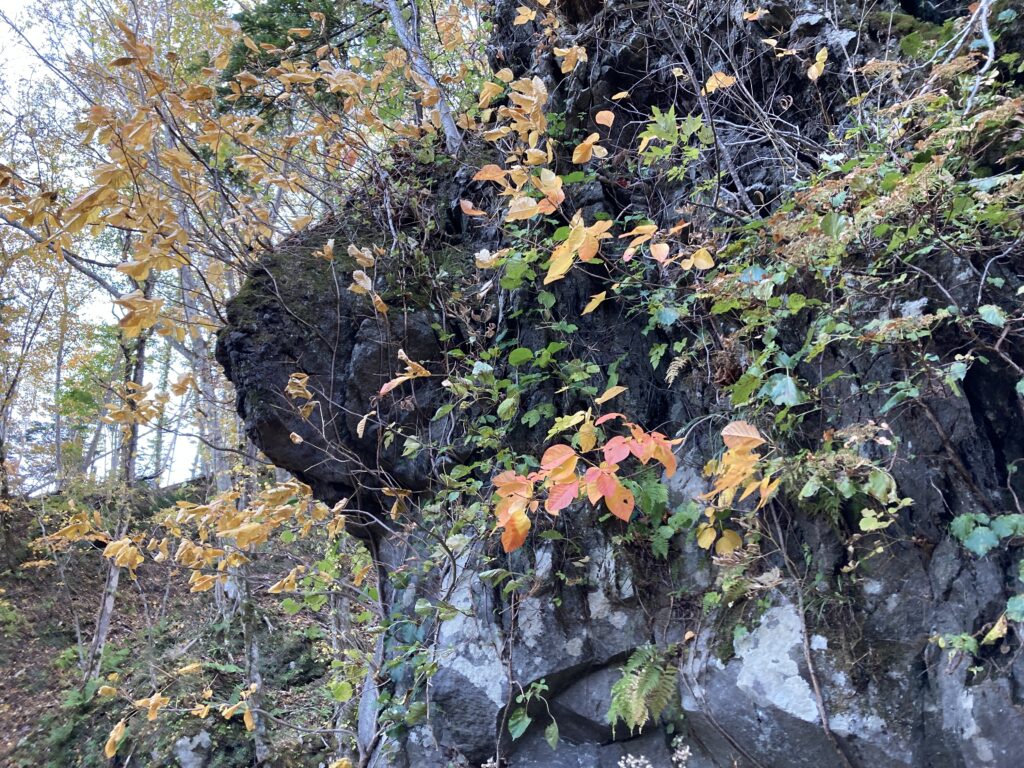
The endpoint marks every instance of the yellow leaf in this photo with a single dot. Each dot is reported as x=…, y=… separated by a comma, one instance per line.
x=107, y=690
x=700, y=259
x=296, y=438
x=620, y=95
x=818, y=67
x=754, y=15
x=152, y=704
x=588, y=436
x=250, y=722
x=718, y=80
x=524, y=15
x=300, y=222
x=190, y=669
x=729, y=541
x=997, y=632
x=488, y=93
x=505, y=75
x=587, y=149
x=610, y=393
x=605, y=117
x=706, y=535
x=595, y=302
x=116, y=734
x=561, y=263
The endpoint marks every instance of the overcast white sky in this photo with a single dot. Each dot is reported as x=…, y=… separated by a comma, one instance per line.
x=18, y=63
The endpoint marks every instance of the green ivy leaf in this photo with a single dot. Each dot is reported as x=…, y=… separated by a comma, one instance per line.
x=981, y=540
x=1015, y=608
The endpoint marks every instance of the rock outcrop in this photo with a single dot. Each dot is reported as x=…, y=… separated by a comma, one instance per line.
x=839, y=674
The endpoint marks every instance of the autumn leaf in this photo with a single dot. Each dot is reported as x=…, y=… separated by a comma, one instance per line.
x=595, y=302
x=116, y=734
x=587, y=436
x=488, y=93
x=361, y=283
x=739, y=435
x=660, y=252
x=152, y=705
x=818, y=67
x=717, y=81
x=587, y=149
x=605, y=117
x=561, y=496
x=517, y=525
x=524, y=15
x=469, y=209
x=571, y=57
x=610, y=393
x=728, y=542
x=620, y=96
x=706, y=535
x=699, y=259
x=620, y=502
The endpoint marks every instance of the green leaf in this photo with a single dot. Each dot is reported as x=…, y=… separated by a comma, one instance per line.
x=551, y=735
x=992, y=315
x=1015, y=608
x=782, y=389
x=981, y=540
x=290, y=606
x=341, y=690
x=519, y=722
x=520, y=355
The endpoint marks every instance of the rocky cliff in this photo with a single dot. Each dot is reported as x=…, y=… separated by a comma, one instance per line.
x=822, y=641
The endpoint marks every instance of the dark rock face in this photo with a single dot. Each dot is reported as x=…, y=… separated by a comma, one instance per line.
x=751, y=692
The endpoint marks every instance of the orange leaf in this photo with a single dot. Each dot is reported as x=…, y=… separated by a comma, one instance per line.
x=620, y=502
x=517, y=525
x=742, y=436
x=556, y=456
x=469, y=209
x=605, y=117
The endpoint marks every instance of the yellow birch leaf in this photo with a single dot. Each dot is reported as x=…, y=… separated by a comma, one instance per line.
x=620, y=96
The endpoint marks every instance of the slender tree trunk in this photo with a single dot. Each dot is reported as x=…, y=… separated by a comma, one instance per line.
x=103, y=617
x=254, y=676
x=58, y=426
x=408, y=37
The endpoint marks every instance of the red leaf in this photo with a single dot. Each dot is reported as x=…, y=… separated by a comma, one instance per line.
x=561, y=496
x=616, y=449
